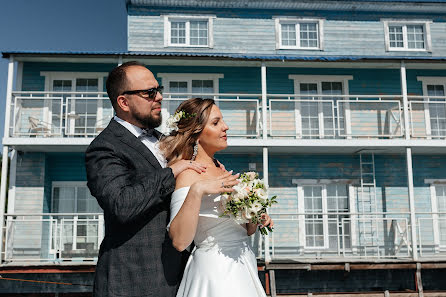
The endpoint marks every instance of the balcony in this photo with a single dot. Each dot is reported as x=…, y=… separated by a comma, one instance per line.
x=304, y=237
x=84, y=115
x=53, y=237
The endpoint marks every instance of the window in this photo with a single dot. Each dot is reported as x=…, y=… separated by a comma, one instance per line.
x=436, y=224
x=87, y=111
x=185, y=85
x=408, y=36
x=320, y=230
x=188, y=31
x=298, y=34
x=190, y=83
x=317, y=117
x=435, y=107
x=76, y=232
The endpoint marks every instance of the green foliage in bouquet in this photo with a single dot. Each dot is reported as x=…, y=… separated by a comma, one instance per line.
x=248, y=201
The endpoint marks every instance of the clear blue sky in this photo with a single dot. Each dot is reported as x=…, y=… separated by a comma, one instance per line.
x=59, y=25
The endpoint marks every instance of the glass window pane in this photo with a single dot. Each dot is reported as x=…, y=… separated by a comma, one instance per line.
x=435, y=90
x=64, y=200
x=308, y=34
x=202, y=86
x=178, y=32
x=198, y=32
x=288, y=34
x=396, y=36
x=87, y=85
x=178, y=87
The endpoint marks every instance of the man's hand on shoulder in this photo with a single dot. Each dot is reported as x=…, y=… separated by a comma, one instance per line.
x=182, y=165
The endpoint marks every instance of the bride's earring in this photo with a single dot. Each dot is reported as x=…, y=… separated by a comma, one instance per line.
x=194, y=155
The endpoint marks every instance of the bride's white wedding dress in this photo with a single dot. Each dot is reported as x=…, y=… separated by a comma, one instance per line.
x=222, y=262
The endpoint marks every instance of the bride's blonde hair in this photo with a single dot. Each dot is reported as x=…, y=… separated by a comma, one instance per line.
x=179, y=145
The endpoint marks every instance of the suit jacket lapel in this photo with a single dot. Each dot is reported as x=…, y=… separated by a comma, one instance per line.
x=128, y=138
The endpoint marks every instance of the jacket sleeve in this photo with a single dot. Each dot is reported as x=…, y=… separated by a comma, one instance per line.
x=122, y=194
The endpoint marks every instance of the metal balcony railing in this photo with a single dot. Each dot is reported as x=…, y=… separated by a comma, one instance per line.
x=53, y=237
x=86, y=114
x=428, y=117
x=329, y=236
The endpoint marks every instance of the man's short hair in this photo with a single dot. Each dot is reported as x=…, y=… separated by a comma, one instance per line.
x=117, y=81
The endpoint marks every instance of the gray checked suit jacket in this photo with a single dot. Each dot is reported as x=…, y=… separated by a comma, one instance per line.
x=136, y=257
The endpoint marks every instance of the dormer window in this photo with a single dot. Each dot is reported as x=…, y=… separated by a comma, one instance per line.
x=407, y=35
x=188, y=31
x=292, y=33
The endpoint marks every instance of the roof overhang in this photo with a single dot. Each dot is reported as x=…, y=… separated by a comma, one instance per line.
x=416, y=6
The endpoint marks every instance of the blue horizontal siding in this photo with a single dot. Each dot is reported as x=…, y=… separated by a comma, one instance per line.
x=65, y=167
x=248, y=79
x=32, y=81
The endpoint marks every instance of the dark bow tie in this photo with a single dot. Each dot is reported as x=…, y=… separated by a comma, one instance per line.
x=146, y=133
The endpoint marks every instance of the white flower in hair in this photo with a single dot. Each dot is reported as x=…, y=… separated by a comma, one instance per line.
x=172, y=121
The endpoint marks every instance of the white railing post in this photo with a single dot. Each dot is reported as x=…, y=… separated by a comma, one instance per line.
x=5, y=152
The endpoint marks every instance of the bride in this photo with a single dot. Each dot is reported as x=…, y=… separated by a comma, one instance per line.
x=222, y=262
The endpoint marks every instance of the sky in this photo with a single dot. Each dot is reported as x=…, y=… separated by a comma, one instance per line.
x=59, y=25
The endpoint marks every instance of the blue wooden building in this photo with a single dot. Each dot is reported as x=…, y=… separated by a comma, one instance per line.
x=339, y=105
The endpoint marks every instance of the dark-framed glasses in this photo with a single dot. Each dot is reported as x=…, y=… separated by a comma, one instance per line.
x=147, y=94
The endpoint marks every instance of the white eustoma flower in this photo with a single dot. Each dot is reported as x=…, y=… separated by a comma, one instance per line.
x=255, y=208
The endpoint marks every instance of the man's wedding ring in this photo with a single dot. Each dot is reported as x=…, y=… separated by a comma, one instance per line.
x=222, y=184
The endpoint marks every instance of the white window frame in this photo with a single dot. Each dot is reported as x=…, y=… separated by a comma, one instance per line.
x=297, y=21
x=50, y=76
x=187, y=19
x=189, y=77
x=318, y=79
x=430, y=80
x=404, y=23
x=435, y=223
x=75, y=217
x=300, y=183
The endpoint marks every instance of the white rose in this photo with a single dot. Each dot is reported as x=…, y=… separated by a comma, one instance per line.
x=177, y=117
x=241, y=189
x=251, y=175
x=261, y=194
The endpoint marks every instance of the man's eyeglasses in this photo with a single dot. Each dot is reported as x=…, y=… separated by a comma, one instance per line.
x=146, y=94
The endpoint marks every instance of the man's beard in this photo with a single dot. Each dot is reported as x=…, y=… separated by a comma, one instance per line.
x=147, y=121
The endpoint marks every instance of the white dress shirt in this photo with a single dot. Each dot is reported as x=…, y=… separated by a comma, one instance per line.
x=150, y=142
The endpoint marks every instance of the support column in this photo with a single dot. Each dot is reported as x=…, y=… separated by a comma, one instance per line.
x=265, y=149
x=409, y=162
x=405, y=100
x=411, y=203
x=5, y=152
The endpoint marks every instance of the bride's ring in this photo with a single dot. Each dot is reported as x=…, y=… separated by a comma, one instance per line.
x=190, y=162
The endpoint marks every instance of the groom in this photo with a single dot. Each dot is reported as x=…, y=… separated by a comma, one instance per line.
x=129, y=178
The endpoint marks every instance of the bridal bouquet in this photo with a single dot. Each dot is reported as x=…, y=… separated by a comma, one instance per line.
x=248, y=202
